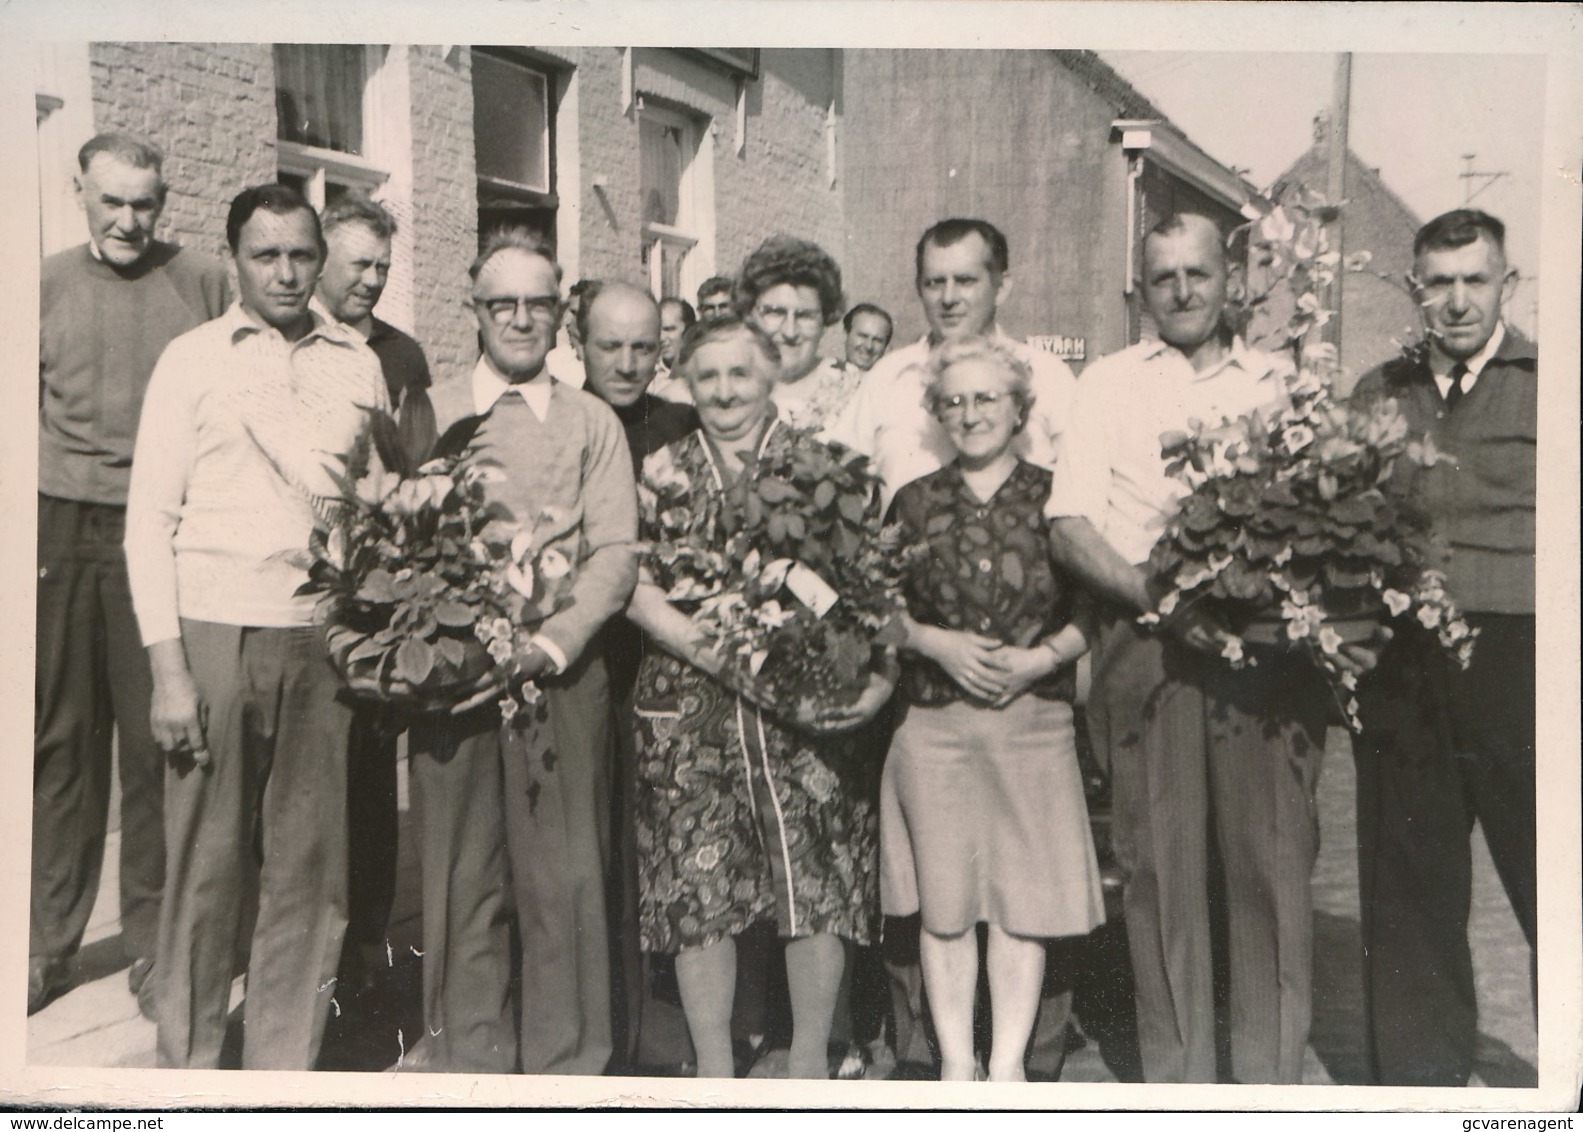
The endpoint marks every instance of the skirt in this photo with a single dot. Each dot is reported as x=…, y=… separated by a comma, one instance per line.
x=983, y=819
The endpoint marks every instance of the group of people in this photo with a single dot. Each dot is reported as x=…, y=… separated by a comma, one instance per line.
x=660, y=807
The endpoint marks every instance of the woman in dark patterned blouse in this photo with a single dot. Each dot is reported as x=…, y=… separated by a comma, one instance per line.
x=743, y=816
x=982, y=810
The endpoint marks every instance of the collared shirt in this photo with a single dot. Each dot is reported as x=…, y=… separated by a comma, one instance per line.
x=563, y=364
x=238, y=430
x=888, y=421
x=1111, y=471
x=488, y=388
x=101, y=330
x=818, y=397
x=668, y=385
x=1475, y=365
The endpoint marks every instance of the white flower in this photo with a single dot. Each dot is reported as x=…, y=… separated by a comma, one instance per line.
x=1283, y=556
x=508, y=708
x=1169, y=602
x=1297, y=437
x=1276, y=227
x=1232, y=650
x=1329, y=641
x=1428, y=616
x=553, y=564
x=499, y=650
x=1397, y=602
x=1349, y=681
x=500, y=629
x=771, y=614
x=1457, y=630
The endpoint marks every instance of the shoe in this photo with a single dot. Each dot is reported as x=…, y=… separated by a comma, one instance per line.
x=143, y=978
x=48, y=977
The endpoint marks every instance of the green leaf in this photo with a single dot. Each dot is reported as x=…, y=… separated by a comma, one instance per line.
x=772, y=490
x=853, y=509
x=823, y=494
x=414, y=660
x=454, y=614
x=378, y=587
x=366, y=649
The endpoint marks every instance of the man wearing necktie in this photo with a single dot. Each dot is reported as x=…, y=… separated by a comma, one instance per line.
x=1441, y=746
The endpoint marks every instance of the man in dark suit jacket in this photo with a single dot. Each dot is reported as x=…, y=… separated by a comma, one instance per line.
x=1441, y=746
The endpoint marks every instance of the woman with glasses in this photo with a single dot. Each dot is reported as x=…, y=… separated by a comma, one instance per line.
x=983, y=818
x=791, y=290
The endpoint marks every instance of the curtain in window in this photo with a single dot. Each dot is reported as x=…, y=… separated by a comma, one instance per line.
x=319, y=95
x=661, y=163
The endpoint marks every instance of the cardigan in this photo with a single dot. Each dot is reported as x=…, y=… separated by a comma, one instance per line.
x=1481, y=496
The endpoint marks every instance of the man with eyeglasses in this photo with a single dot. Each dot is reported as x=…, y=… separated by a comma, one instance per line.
x=962, y=277
x=1192, y=743
x=524, y=801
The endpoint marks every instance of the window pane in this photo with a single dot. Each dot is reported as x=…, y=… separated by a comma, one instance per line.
x=319, y=95
x=661, y=161
x=511, y=122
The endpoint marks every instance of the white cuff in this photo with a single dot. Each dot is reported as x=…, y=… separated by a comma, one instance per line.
x=550, y=649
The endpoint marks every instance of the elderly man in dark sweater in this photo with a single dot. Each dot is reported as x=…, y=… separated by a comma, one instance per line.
x=1441, y=746
x=108, y=308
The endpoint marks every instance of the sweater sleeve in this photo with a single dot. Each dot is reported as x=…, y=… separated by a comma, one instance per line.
x=608, y=571
x=166, y=446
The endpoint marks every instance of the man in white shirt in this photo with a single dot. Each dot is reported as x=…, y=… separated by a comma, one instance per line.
x=238, y=419
x=962, y=278
x=1185, y=734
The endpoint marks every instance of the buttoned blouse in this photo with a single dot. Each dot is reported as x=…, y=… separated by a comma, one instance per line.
x=987, y=570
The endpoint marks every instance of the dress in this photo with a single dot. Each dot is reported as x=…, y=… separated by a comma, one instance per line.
x=983, y=816
x=722, y=847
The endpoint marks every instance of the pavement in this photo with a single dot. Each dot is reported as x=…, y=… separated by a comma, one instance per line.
x=96, y=1023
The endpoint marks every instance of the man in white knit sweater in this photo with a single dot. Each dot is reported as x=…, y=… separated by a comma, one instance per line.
x=239, y=419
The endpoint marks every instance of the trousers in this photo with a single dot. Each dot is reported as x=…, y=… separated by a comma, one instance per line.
x=269, y=810
x=516, y=833
x=1199, y=750
x=1440, y=748
x=91, y=680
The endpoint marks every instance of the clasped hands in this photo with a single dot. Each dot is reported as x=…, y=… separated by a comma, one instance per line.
x=989, y=669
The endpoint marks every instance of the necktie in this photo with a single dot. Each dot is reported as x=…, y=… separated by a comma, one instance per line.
x=1455, y=394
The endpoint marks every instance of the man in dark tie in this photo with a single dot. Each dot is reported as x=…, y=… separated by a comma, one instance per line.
x=1441, y=746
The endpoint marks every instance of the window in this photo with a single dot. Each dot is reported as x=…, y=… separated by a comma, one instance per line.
x=321, y=115
x=678, y=201
x=514, y=144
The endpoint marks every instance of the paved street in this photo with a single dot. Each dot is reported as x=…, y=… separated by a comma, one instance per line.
x=97, y=1023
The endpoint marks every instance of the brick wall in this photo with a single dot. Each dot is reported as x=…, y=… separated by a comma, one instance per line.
x=210, y=107
x=445, y=215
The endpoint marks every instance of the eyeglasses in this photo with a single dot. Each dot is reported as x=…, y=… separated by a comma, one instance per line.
x=771, y=319
x=503, y=311
x=982, y=400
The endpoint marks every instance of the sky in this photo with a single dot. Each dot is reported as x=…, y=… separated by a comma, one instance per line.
x=1412, y=118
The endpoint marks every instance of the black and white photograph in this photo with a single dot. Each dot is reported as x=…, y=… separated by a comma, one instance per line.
x=985, y=555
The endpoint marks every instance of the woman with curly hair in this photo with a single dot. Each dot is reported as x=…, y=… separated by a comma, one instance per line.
x=791, y=290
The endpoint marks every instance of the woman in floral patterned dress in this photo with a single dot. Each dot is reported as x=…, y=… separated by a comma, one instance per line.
x=983, y=818
x=791, y=290
x=743, y=816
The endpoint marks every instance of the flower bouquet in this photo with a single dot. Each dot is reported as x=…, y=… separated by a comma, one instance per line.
x=789, y=573
x=1287, y=531
x=427, y=589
